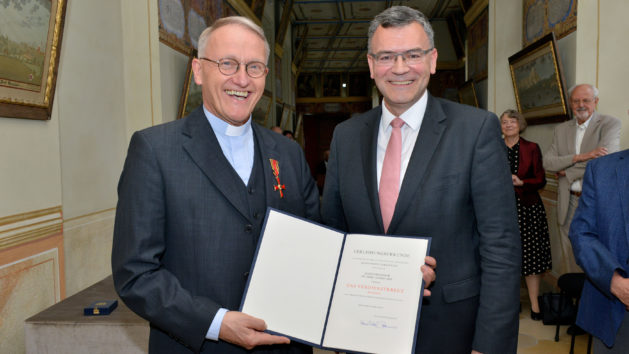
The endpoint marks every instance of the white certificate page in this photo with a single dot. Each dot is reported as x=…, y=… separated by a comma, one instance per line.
x=377, y=295
x=293, y=276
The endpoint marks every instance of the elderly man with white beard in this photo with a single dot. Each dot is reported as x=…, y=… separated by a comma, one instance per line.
x=575, y=142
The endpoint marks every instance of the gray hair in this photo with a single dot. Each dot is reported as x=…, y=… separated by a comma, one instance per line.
x=512, y=113
x=592, y=87
x=233, y=20
x=400, y=16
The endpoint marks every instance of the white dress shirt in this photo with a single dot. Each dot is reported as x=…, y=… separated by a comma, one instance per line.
x=413, y=118
x=581, y=128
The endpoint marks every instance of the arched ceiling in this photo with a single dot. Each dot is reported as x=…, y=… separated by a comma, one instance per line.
x=331, y=35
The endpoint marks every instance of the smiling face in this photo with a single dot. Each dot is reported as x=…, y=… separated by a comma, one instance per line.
x=230, y=98
x=510, y=126
x=401, y=84
x=582, y=102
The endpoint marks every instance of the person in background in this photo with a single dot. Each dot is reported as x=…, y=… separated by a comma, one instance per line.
x=289, y=134
x=575, y=142
x=321, y=169
x=527, y=174
x=600, y=238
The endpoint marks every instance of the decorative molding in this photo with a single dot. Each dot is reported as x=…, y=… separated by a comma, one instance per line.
x=244, y=10
x=475, y=11
x=279, y=51
x=26, y=227
x=66, y=221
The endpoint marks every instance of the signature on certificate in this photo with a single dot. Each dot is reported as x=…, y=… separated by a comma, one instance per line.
x=377, y=324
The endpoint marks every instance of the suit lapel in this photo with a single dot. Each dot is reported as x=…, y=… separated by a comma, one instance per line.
x=431, y=130
x=268, y=151
x=571, y=137
x=622, y=175
x=205, y=151
x=589, y=133
x=369, y=140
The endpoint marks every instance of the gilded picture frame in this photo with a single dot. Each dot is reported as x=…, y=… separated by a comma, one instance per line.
x=29, y=57
x=538, y=82
x=191, y=96
x=467, y=94
x=262, y=109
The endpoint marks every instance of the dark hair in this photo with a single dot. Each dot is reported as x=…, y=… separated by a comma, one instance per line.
x=400, y=16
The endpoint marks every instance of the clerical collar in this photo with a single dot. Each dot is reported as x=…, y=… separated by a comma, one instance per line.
x=222, y=127
x=413, y=116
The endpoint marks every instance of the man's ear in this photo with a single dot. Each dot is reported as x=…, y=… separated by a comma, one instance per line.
x=371, y=64
x=196, y=70
x=433, y=61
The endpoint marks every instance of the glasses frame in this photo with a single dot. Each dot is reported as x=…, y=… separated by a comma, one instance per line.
x=584, y=101
x=238, y=64
x=424, y=53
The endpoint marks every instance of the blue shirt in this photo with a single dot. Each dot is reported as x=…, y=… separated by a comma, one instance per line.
x=236, y=143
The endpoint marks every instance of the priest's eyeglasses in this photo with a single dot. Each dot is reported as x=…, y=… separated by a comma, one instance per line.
x=410, y=57
x=229, y=67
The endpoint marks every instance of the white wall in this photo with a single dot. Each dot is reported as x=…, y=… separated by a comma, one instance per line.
x=173, y=67
x=90, y=107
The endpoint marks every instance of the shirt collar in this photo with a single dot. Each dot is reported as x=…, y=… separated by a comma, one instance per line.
x=413, y=116
x=585, y=124
x=222, y=127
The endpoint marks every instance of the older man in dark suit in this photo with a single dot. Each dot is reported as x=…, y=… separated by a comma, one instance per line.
x=418, y=165
x=192, y=199
x=600, y=237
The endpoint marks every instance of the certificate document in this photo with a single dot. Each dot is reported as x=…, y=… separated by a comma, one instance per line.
x=337, y=291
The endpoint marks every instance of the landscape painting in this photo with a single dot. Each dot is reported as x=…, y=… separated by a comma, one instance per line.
x=30, y=38
x=538, y=82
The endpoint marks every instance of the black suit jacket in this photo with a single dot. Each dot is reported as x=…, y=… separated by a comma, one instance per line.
x=457, y=189
x=183, y=239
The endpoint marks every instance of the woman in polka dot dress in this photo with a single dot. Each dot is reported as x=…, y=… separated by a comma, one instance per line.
x=527, y=173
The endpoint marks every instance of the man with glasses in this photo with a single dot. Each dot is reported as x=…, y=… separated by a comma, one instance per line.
x=422, y=166
x=575, y=142
x=192, y=199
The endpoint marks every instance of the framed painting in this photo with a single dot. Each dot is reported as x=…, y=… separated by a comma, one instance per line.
x=182, y=21
x=262, y=109
x=467, y=94
x=359, y=84
x=543, y=17
x=538, y=82
x=331, y=85
x=191, y=96
x=477, y=47
x=306, y=85
x=286, y=122
x=30, y=44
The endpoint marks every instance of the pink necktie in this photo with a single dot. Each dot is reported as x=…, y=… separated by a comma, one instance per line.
x=390, y=176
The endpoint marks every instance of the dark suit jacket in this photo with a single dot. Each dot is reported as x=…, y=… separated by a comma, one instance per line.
x=600, y=239
x=457, y=189
x=183, y=240
x=531, y=172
